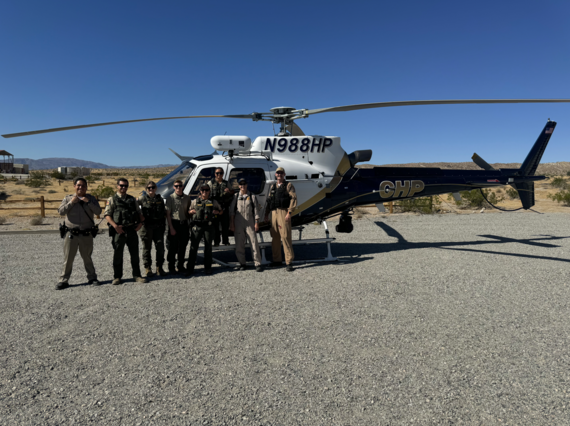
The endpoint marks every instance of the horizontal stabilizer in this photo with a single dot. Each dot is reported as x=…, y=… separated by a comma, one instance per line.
x=481, y=163
x=182, y=157
x=533, y=158
x=359, y=156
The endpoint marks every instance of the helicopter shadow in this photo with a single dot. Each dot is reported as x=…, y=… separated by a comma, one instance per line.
x=542, y=241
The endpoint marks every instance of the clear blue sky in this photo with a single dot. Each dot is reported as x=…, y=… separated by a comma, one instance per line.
x=78, y=62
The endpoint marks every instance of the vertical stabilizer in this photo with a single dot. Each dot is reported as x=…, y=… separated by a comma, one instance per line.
x=533, y=158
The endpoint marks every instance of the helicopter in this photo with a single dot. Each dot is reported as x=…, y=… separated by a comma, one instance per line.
x=327, y=179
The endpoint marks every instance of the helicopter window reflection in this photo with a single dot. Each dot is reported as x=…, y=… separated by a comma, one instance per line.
x=255, y=179
x=206, y=175
x=182, y=172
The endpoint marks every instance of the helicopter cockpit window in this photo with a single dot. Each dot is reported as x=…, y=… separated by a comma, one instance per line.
x=182, y=172
x=255, y=179
x=206, y=175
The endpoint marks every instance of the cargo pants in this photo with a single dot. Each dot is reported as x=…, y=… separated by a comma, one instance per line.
x=131, y=240
x=281, y=233
x=72, y=243
x=148, y=236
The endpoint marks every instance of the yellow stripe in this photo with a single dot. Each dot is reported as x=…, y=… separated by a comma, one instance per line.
x=343, y=167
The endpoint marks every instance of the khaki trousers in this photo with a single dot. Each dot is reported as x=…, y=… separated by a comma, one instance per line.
x=281, y=232
x=83, y=243
x=244, y=231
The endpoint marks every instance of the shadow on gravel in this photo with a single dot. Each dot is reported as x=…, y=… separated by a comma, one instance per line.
x=403, y=244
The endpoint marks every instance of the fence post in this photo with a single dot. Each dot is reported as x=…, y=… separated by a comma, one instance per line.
x=43, y=206
x=391, y=207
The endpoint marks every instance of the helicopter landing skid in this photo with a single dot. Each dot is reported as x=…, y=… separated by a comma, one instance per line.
x=263, y=245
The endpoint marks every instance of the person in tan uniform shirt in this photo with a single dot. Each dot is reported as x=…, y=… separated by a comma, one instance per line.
x=282, y=202
x=244, y=218
x=78, y=210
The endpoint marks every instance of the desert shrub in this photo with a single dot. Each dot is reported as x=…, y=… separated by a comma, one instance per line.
x=568, y=173
x=29, y=199
x=103, y=192
x=51, y=191
x=559, y=182
x=425, y=205
x=2, y=220
x=17, y=192
x=96, y=175
x=57, y=175
x=37, y=179
x=90, y=179
x=36, y=220
x=20, y=182
x=512, y=193
x=562, y=196
x=159, y=175
x=474, y=198
x=144, y=177
x=499, y=191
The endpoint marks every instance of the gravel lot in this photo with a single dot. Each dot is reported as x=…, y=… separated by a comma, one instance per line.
x=424, y=320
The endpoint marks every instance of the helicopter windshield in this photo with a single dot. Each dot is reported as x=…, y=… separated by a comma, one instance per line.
x=180, y=173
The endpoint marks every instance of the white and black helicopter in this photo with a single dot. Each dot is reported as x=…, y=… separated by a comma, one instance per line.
x=326, y=178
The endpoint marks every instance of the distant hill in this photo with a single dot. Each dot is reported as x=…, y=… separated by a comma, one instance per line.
x=54, y=163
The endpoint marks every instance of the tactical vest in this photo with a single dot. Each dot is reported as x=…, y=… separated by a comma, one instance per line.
x=280, y=198
x=125, y=212
x=218, y=192
x=204, y=213
x=153, y=210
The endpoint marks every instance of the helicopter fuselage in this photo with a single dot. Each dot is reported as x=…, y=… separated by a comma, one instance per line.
x=325, y=177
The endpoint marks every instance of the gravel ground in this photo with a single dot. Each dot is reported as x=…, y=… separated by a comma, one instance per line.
x=424, y=320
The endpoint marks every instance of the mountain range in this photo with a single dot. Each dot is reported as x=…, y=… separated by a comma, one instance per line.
x=54, y=163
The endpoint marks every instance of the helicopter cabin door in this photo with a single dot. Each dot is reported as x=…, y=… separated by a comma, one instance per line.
x=255, y=172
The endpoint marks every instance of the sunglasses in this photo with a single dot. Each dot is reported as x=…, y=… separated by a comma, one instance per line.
x=219, y=173
x=151, y=187
x=279, y=173
x=124, y=186
x=178, y=186
x=242, y=184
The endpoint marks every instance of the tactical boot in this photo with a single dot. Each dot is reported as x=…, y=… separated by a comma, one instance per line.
x=258, y=269
x=290, y=268
x=242, y=267
x=161, y=271
x=94, y=282
x=117, y=281
x=149, y=272
x=141, y=280
x=61, y=285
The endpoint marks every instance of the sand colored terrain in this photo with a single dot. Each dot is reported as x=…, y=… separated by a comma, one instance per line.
x=17, y=191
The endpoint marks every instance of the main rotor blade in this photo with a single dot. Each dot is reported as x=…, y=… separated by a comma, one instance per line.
x=440, y=102
x=60, y=129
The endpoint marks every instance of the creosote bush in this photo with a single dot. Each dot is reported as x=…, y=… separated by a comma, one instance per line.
x=512, y=193
x=2, y=220
x=102, y=192
x=474, y=199
x=562, y=196
x=36, y=220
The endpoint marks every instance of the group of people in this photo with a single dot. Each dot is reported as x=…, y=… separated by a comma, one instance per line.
x=208, y=218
